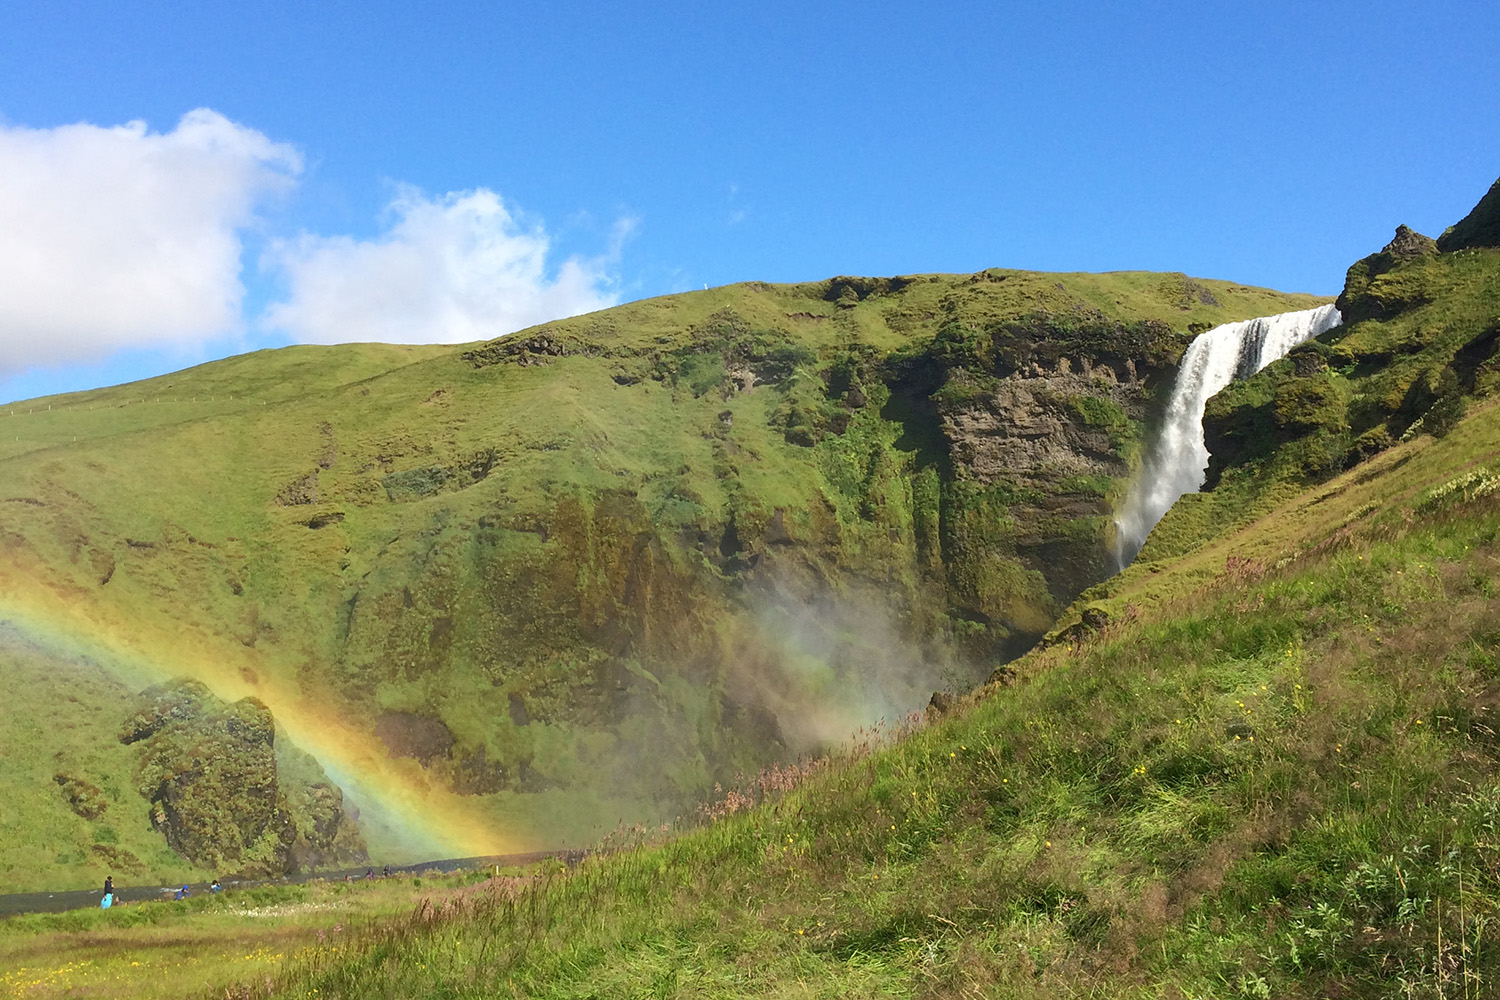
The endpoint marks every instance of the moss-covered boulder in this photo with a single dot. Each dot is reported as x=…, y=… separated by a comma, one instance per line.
x=1255, y=420
x=1364, y=295
x=208, y=770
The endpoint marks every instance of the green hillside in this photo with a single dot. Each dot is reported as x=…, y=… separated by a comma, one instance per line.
x=1268, y=770
x=588, y=571
x=1279, y=785
x=529, y=588
x=77, y=801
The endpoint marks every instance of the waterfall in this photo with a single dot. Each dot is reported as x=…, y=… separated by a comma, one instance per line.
x=1178, y=460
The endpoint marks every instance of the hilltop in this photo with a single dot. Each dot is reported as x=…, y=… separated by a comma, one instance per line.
x=511, y=593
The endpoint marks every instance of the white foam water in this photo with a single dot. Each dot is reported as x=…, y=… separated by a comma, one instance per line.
x=1178, y=460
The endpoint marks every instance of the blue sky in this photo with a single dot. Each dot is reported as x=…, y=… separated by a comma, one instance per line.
x=447, y=170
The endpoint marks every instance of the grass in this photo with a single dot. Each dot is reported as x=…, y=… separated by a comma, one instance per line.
x=1280, y=782
x=56, y=725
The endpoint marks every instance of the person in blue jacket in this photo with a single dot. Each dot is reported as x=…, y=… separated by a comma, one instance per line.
x=182, y=893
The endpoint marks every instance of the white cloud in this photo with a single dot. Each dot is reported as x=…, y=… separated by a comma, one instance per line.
x=448, y=270
x=121, y=237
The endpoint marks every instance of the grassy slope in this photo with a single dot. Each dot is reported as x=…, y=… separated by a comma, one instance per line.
x=1271, y=782
x=61, y=716
x=206, y=391
x=167, y=486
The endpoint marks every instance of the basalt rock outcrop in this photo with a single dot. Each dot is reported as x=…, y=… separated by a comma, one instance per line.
x=1366, y=296
x=1046, y=413
x=209, y=772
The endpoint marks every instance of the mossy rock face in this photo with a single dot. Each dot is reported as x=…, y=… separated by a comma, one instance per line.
x=1304, y=405
x=1239, y=426
x=1372, y=442
x=1476, y=365
x=209, y=773
x=1365, y=296
x=1040, y=339
x=1252, y=420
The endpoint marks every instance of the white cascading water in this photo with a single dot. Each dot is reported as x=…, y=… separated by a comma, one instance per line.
x=1178, y=462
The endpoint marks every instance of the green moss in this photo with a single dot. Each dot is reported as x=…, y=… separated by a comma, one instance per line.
x=1097, y=411
x=964, y=389
x=1091, y=485
x=701, y=372
x=1303, y=405
x=1103, y=412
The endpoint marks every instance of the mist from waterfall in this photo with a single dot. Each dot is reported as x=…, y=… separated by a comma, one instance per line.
x=1178, y=460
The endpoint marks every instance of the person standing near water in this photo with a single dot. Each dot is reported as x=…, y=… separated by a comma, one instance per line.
x=109, y=885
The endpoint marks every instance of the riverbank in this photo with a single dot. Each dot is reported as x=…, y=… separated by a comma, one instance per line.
x=19, y=903
x=160, y=950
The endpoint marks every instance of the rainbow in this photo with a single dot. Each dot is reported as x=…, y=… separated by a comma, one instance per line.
x=404, y=816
